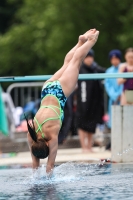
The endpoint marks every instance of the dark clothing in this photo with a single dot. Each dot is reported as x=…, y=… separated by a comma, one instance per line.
x=128, y=85
x=68, y=114
x=86, y=124
x=90, y=107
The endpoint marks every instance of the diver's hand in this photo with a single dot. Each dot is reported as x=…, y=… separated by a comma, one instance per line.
x=49, y=170
x=53, y=146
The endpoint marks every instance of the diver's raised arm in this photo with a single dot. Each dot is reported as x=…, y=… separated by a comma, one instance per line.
x=53, y=146
x=35, y=160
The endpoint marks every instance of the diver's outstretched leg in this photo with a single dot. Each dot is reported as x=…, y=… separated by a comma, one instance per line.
x=82, y=39
x=69, y=78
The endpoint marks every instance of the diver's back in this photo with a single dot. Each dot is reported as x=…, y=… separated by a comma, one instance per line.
x=49, y=115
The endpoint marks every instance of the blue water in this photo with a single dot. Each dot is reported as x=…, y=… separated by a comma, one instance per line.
x=70, y=181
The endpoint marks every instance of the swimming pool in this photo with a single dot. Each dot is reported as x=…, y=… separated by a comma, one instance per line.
x=70, y=181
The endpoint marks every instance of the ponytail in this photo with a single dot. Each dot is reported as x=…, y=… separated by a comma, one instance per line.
x=39, y=148
x=31, y=129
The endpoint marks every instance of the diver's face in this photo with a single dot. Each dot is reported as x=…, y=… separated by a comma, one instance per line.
x=115, y=61
x=129, y=58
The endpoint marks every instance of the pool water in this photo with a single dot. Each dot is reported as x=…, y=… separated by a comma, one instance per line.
x=70, y=181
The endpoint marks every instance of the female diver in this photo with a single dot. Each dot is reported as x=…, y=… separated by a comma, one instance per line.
x=43, y=133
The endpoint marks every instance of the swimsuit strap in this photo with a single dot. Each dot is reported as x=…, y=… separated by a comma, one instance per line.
x=50, y=95
x=50, y=118
x=51, y=107
x=39, y=127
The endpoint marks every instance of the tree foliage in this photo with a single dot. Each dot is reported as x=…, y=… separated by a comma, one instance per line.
x=43, y=31
x=8, y=9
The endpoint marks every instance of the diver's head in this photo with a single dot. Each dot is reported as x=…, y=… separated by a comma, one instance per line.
x=39, y=147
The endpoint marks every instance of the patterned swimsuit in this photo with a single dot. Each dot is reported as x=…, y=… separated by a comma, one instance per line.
x=52, y=89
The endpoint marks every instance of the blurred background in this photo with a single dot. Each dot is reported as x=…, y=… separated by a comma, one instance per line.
x=34, y=38
x=36, y=35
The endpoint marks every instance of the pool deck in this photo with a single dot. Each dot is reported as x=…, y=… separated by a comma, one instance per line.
x=63, y=155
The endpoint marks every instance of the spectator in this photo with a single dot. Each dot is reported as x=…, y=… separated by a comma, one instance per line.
x=90, y=107
x=112, y=88
x=73, y=128
x=127, y=95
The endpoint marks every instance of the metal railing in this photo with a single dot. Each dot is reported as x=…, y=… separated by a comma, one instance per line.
x=19, y=94
x=21, y=91
x=81, y=77
x=34, y=87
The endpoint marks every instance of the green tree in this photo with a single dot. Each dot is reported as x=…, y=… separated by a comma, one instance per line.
x=45, y=30
x=8, y=9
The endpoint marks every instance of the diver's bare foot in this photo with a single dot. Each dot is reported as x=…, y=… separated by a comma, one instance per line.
x=82, y=39
x=92, y=36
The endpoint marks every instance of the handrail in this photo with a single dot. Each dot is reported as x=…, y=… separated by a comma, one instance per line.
x=25, y=85
x=81, y=77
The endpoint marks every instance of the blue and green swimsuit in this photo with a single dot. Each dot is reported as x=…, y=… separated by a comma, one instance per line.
x=52, y=89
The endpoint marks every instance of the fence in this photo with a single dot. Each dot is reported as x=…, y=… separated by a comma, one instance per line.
x=120, y=132
x=21, y=92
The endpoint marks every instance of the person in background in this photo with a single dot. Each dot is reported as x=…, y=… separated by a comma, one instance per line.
x=128, y=83
x=73, y=128
x=112, y=88
x=90, y=102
